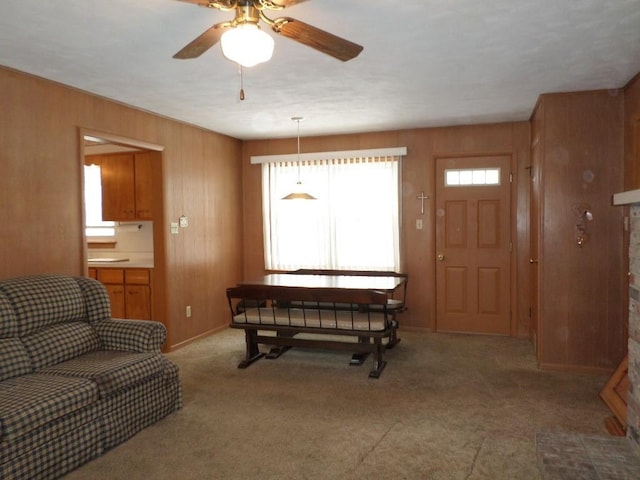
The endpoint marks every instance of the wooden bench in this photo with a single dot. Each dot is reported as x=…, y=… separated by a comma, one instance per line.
x=289, y=311
x=394, y=305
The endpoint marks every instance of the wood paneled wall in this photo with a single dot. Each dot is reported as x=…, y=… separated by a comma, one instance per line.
x=423, y=147
x=632, y=134
x=208, y=177
x=578, y=137
x=40, y=196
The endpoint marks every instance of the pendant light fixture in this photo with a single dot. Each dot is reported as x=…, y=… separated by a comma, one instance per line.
x=298, y=193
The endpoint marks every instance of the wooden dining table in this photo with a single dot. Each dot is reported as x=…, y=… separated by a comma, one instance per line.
x=349, y=280
x=359, y=282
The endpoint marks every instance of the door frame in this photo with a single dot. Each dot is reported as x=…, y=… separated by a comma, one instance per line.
x=159, y=297
x=158, y=233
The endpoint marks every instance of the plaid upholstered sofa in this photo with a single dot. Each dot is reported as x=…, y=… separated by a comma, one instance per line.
x=73, y=381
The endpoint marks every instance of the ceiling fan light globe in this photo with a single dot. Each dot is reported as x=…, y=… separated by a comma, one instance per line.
x=247, y=45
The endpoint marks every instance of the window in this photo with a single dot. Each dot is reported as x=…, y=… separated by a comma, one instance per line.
x=472, y=177
x=96, y=228
x=353, y=224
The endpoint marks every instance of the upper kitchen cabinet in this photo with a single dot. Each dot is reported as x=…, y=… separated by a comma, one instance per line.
x=126, y=185
x=143, y=185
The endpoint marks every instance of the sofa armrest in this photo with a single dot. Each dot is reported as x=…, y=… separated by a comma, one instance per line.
x=131, y=335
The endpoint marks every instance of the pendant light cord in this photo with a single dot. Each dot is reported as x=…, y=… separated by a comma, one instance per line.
x=297, y=119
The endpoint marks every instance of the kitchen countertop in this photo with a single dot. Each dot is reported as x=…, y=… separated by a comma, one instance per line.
x=121, y=260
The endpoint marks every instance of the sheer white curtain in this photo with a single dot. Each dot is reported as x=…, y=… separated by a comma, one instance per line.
x=353, y=224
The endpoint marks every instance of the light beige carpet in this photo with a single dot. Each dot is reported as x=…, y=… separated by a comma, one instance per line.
x=446, y=407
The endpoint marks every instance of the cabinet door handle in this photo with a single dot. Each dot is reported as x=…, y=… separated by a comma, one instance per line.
x=532, y=260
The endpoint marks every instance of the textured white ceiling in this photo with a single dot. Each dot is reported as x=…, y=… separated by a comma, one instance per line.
x=425, y=62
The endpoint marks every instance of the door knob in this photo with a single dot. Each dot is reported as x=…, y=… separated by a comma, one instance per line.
x=441, y=257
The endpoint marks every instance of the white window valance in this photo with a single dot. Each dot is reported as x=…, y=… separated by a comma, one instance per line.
x=307, y=157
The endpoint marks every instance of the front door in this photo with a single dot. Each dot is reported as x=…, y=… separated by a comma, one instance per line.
x=473, y=248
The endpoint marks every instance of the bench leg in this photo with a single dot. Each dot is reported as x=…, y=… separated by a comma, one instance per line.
x=360, y=357
x=393, y=338
x=253, y=352
x=276, y=351
x=378, y=361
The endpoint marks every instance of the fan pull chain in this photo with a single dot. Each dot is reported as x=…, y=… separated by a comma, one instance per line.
x=241, y=84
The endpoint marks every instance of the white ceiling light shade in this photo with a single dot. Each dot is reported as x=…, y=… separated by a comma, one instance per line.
x=247, y=45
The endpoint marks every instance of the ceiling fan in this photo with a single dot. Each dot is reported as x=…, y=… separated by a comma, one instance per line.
x=248, y=13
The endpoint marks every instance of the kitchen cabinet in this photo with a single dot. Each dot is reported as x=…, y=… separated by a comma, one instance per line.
x=126, y=185
x=137, y=293
x=142, y=183
x=129, y=291
x=113, y=280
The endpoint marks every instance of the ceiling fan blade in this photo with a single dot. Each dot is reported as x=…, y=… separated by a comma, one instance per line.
x=315, y=38
x=204, y=42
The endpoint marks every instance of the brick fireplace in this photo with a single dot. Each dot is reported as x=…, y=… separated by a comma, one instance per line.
x=632, y=198
x=633, y=400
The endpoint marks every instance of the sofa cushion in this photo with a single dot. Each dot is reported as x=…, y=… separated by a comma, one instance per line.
x=14, y=359
x=111, y=370
x=58, y=343
x=96, y=299
x=42, y=300
x=30, y=401
x=8, y=320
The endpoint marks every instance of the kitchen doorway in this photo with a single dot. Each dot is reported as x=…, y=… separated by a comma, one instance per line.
x=131, y=263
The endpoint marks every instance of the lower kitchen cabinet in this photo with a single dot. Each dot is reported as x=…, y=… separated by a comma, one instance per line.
x=137, y=293
x=129, y=291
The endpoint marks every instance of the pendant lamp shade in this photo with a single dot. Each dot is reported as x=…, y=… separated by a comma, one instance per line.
x=298, y=194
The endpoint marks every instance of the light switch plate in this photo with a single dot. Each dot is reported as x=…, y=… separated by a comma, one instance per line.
x=184, y=221
x=174, y=228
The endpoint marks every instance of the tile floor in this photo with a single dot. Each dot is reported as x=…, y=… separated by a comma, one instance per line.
x=586, y=457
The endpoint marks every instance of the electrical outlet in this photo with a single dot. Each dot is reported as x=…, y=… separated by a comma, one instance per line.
x=188, y=311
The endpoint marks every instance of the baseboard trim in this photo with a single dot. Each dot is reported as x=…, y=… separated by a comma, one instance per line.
x=559, y=367
x=188, y=341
